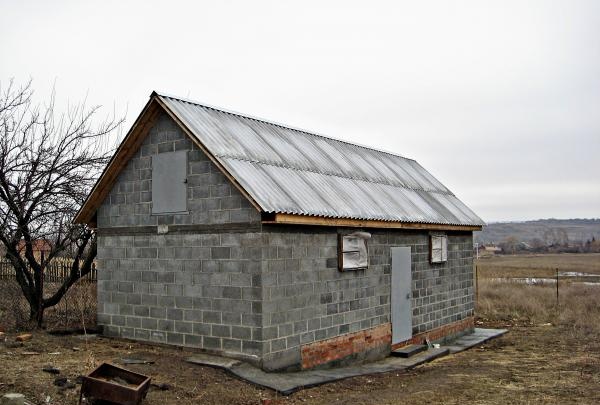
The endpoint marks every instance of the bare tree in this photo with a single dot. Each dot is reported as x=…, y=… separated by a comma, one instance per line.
x=48, y=163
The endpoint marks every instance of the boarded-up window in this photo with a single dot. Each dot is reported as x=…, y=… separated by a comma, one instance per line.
x=439, y=248
x=353, y=252
x=169, y=189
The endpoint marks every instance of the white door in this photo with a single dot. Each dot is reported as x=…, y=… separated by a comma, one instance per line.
x=401, y=295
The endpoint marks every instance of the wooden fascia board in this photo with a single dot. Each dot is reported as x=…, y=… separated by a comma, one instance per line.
x=291, y=219
x=121, y=157
x=208, y=153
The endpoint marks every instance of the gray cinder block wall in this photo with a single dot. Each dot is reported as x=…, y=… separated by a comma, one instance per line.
x=218, y=280
x=307, y=299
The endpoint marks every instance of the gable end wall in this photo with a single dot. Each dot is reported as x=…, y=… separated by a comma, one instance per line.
x=197, y=285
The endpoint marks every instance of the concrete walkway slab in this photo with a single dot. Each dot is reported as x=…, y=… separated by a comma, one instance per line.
x=478, y=337
x=213, y=361
x=288, y=382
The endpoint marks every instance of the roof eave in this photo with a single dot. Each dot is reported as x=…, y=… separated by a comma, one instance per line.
x=294, y=219
x=126, y=149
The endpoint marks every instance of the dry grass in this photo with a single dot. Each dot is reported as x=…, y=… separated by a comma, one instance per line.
x=578, y=307
x=537, y=265
x=77, y=309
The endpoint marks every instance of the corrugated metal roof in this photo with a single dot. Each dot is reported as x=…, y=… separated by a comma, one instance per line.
x=287, y=170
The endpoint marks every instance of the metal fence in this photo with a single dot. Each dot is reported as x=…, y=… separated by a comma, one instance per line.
x=56, y=271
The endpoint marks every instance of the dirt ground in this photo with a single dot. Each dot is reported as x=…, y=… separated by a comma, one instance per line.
x=540, y=364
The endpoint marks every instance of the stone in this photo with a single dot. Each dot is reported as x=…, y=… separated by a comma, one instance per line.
x=24, y=337
x=68, y=386
x=51, y=369
x=60, y=381
x=212, y=361
x=409, y=350
x=14, y=345
x=136, y=361
x=12, y=399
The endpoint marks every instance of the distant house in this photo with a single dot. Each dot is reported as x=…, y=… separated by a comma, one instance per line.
x=492, y=248
x=40, y=247
x=285, y=248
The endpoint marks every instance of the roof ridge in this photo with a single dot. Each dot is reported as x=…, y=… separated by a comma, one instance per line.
x=269, y=122
x=270, y=163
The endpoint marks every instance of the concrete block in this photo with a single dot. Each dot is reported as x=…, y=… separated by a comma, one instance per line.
x=175, y=338
x=158, y=312
x=221, y=330
x=220, y=252
x=241, y=332
x=175, y=314
x=12, y=399
x=232, y=292
x=288, y=360
x=211, y=317
x=232, y=345
x=231, y=318
x=212, y=342
x=252, y=347
x=183, y=327
x=201, y=329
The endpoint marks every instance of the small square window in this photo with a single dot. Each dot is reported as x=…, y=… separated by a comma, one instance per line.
x=353, y=252
x=438, y=248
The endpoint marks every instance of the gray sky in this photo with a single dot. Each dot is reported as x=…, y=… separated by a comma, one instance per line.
x=498, y=100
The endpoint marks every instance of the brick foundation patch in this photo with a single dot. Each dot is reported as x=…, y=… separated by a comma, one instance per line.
x=326, y=351
x=439, y=333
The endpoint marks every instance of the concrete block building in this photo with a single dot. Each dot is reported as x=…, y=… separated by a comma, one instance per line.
x=288, y=249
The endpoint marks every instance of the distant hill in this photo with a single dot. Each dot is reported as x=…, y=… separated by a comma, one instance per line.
x=543, y=229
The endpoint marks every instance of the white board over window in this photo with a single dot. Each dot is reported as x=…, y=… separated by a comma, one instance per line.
x=353, y=251
x=439, y=248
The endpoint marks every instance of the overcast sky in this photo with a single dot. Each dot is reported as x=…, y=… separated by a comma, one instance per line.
x=499, y=100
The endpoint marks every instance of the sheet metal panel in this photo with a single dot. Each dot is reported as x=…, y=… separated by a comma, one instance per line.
x=401, y=295
x=291, y=171
x=169, y=190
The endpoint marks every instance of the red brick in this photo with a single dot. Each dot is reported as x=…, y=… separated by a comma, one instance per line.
x=324, y=351
x=438, y=333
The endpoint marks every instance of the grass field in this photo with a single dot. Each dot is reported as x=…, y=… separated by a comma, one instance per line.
x=537, y=265
x=577, y=310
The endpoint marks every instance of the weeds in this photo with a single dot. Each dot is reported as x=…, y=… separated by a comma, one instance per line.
x=578, y=310
x=76, y=310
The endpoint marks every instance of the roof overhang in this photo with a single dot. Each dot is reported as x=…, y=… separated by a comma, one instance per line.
x=124, y=152
x=292, y=219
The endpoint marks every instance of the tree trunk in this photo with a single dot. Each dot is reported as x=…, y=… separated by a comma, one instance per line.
x=36, y=314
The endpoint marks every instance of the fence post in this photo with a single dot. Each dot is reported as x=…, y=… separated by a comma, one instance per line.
x=557, y=288
x=477, y=285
